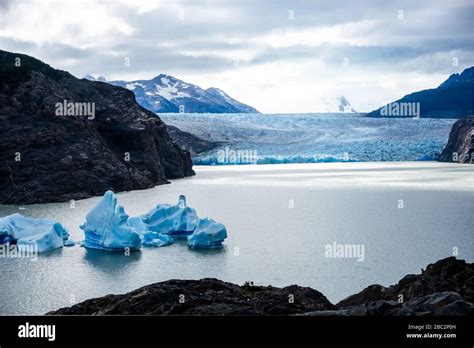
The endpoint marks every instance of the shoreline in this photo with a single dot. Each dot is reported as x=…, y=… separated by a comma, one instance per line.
x=422, y=175
x=443, y=288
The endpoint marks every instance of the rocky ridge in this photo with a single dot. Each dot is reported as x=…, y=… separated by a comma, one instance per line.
x=48, y=154
x=444, y=288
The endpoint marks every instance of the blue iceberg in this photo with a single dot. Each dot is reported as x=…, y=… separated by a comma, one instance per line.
x=149, y=238
x=32, y=234
x=106, y=227
x=209, y=234
x=174, y=220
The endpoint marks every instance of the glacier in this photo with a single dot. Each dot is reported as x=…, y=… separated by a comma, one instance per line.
x=174, y=220
x=313, y=138
x=32, y=234
x=106, y=227
x=209, y=234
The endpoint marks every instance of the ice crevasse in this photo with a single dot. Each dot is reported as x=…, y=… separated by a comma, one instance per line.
x=33, y=234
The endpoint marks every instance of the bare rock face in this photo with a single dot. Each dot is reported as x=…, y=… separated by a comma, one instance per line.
x=190, y=142
x=49, y=156
x=460, y=147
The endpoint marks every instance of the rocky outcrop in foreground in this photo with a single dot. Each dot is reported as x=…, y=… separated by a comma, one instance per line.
x=460, y=147
x=205, y=297
x=65, y=138
x=444, y=288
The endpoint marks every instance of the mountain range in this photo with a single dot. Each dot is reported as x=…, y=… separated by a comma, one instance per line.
x=454, y=98
x=165, y=93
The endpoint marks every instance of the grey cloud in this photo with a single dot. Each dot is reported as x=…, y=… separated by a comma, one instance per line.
x=5, y=4
x=406, y=42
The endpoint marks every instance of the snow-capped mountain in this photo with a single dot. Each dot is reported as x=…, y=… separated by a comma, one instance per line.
x=336, y=104
x=218, y=93
x=92, y=78
x=165, y=93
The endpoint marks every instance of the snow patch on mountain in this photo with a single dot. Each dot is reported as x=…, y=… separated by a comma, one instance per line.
x=98, y=78
x=165, y=93
x=336, y=104
x=172, y=89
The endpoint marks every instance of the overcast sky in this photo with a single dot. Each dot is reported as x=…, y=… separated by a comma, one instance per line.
x=278, y=56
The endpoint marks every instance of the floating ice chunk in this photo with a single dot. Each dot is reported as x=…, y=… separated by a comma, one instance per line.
x=175, y=220
x=153, y=239
x=209, y=234
x=148, y=237
x=106, y=227
x=29, y=233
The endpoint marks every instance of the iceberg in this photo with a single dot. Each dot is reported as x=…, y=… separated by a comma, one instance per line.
x=174, y=220
x=106, y=227
x=209, y=234
x=27, y=233
x=149, y=238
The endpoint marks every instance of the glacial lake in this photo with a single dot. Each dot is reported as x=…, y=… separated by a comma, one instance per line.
x=279, y=220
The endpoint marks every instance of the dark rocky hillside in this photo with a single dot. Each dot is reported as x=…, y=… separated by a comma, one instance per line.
x=460, y=146
x=190, y=142
x=46, y=157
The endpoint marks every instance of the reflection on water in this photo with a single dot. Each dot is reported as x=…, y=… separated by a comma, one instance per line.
x=52, y=254
x=111, y=262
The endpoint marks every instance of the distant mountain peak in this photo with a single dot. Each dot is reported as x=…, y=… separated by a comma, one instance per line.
x=166, y=93
x=336, y=104
x=344, y=105
x=451, y=99
x=92, y=78
x=466, y=76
